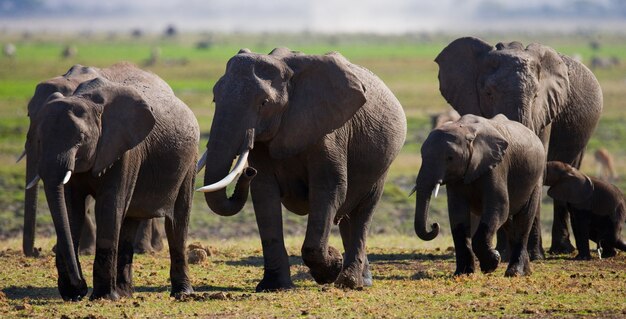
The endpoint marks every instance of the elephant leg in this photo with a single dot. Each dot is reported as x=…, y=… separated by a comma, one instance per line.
x=142, y=242
x=353, y=275
x=560, y=232
x=502, y=244
x=494, y=214
x=344, y=229
x=176, y=227
x=580, y=227
x=124, y=283
x=75, y=203
x=109, y=216
x=460, y=223
x=268, y=212
x=30, y=219
x=326, y=194
x=88, y=235
x=157, y=234
x=535, y=246
x=519, y=231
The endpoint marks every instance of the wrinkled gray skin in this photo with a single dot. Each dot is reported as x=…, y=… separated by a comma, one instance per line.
x=598, y=208
x=66, y=84
x=491, y=168
x=555, y=96
x=132, y=145
x=326, y=131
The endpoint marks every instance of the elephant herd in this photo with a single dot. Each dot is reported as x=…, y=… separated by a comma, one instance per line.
x=317, y=135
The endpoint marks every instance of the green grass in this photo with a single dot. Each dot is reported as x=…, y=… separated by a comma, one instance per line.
x=411, y=279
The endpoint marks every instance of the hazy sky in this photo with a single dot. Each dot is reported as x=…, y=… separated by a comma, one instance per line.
x=381, y=16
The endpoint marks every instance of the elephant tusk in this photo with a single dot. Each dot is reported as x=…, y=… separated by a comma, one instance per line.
x=201, y=162
x=33, y=182
x=436, y=191
x=239, y=166
x=21, y=156
x=67, y=177
x=413, y=190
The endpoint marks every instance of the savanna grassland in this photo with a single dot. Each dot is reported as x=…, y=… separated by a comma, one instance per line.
x=412, y=277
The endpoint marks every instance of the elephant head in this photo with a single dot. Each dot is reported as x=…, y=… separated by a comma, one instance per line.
x=65, y=85
x=567, y=184
x=455, y=152
x=285, y=100
x=85, y=132
x=529, y=85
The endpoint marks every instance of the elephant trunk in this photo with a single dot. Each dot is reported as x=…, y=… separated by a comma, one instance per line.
x=30, y=207
x=218, y=162
x=56, y=201
x=423, y=189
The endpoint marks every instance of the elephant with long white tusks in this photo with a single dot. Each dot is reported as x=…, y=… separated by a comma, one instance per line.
x=319, y=134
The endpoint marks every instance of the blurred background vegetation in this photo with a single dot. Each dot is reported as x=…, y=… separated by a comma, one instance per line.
x=191, y=62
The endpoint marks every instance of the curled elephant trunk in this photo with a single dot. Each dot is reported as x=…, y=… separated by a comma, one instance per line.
x=422, y=204
x=217, y=164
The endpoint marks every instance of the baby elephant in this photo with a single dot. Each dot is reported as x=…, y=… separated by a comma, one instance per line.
x=491, y=168
x=598, y=208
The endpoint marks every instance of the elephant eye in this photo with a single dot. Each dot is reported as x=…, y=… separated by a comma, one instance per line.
x=265, y=101
x=449, y=158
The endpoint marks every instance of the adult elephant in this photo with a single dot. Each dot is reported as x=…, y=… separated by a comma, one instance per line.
x=125, y=139
x=64, y=84
x=149, y=238
x=552, y=94
x=322, y=133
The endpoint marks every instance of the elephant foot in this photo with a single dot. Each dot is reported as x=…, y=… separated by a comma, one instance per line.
x=580, y=256
x=325, y=268
x=368, y=280
x=608, y=252
x=71, y=293
x=351, y=278
x=560, y=248
x=125, y=289
x=519, y=268
x=275, y=281
x=87, y=251
x=142, y=248
x=157, y=245
x=489, y=260
x=181, y=289
x=536, y=255
x=464, y=269
x=107, y=295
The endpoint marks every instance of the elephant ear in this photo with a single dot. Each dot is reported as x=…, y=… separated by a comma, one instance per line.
x=459, y=67
x=553, y=89
x=126, y=121
x=487, y=149
x=574, y=188
x=324, y=94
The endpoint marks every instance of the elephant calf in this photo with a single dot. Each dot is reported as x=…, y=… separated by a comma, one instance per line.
x=598, y=208
x=492, y=168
